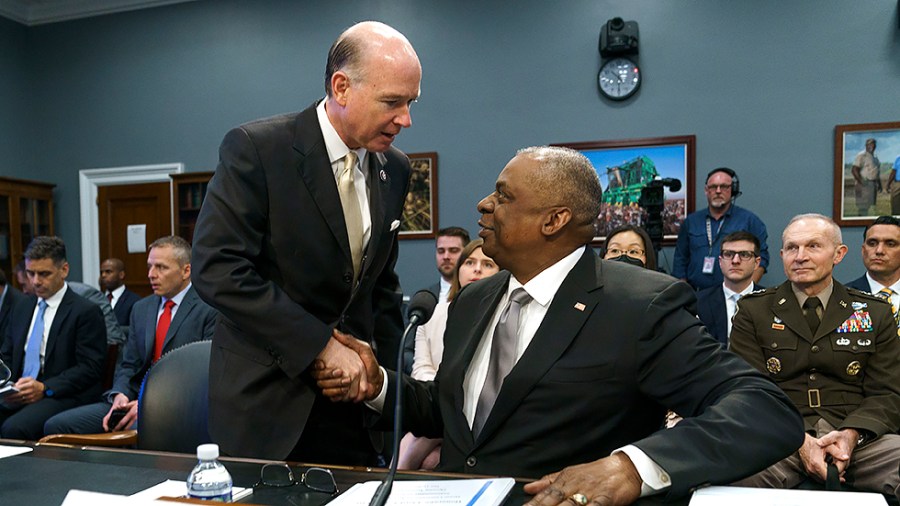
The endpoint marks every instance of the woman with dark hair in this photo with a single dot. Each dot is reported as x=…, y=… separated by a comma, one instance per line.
x=630, y=244
x=420, y=452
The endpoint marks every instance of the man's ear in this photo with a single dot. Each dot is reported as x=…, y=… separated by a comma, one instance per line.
x=340, y=83
x=556, y=219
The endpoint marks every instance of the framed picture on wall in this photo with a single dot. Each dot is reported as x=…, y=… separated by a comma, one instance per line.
x=420, y=215
x=866, y=172
x=626, y=167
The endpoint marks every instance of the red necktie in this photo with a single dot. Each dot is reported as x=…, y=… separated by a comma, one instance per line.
x=109, y=297
x=162, y=327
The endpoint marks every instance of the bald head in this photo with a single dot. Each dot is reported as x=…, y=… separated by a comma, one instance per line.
x=363, y=43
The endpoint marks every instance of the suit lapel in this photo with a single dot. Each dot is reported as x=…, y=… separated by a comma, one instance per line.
x=21, y=336
x=314, y=168
x=150, y=327
x=569, y=310
x=454, y=367
x=720, y=313
x=62, y=312
x=378, y=187
x=181, y=314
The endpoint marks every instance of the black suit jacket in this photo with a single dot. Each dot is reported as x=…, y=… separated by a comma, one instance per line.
x=12, y=298
x=712, y=312
x=123, y=306
x=76, y=347
x=194, y=321
x=861, y=283
x=617, y=346
x=271, y=254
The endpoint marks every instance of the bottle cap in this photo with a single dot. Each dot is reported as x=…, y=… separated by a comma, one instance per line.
x=208, y=451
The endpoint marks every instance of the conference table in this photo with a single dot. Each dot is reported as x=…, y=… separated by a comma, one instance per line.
x=43, y=476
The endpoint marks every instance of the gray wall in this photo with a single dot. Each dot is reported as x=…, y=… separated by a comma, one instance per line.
x=13, y=74
x=761, y=84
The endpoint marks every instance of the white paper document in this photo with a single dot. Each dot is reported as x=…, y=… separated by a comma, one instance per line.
x=137, y=238
x=11, y=451
x=87, y=498
x=480, y=492
x=742, y=496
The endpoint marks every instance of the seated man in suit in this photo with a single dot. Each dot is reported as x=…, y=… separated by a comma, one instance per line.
x=834, y=351
x=738, y=260
x=112, y=283
x=55, y=345
x=881, y=256
x=155, y=329
x=9, y=296
x=594, y=350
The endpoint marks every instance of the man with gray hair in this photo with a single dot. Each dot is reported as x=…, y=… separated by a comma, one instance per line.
x=565, y=363
x=834, y=351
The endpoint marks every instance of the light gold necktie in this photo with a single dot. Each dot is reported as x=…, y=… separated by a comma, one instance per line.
x=352, y=214
x=885, y=294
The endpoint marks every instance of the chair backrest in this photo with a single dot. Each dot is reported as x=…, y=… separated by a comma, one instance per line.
x=173, y=406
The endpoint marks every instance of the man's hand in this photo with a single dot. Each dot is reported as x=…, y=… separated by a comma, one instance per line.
x=840, y=445
x=30, y=391
x=356, y=379
x=610, y=481
x=812, y=454
x=120, y=401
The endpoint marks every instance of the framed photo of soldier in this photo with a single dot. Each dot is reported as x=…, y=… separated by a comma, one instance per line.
x=646, y=182
x=420, y=215
x=866, y=172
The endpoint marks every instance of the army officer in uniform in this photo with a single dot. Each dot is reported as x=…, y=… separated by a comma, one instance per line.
x=834, y=351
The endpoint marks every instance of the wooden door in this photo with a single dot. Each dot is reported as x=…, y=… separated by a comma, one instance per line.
x=149, y=204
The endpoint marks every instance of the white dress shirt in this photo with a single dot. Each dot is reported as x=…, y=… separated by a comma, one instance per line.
x=116, y=295
x=337, y=150
x=52, y=306
x=542, y=288
x=176, y=299
x=876, y=287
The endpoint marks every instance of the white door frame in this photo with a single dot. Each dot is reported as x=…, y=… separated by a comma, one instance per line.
x=88, y=181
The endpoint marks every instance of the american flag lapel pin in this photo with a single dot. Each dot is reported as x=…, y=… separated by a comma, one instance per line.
x=579, y=306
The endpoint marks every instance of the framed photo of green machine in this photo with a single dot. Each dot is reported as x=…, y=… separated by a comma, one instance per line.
x=866, y=172
x=420, y=211
x=632, y=167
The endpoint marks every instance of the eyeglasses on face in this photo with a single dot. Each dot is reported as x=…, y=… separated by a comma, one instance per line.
x=718, y=187
x=728, y=254
x=281, y=475
x=633, y=252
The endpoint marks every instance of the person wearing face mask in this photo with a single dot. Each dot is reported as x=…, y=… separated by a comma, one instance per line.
x=421, y=452
x=632, y=245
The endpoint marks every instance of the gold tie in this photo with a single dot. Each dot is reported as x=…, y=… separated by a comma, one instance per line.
x=885, y=293
x=352, y=214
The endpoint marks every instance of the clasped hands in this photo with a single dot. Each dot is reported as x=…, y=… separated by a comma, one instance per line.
x=837, y=443
x=346, y=370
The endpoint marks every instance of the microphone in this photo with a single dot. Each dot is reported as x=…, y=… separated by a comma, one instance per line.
x=421, y=307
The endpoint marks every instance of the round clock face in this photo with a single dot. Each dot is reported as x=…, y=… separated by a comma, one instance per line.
x=619, y=78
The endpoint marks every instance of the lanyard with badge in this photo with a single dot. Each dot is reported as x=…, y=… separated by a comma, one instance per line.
x=709, y=261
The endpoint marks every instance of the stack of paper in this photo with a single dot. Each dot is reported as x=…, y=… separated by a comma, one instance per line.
x=480, y=492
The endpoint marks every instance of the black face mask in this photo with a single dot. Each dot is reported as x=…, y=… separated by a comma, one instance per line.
x=628, y=260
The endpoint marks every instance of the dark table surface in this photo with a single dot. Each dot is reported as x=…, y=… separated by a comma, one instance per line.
x=44, y=476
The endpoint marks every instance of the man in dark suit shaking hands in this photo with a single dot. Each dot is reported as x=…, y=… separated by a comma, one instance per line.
x=297, y=237
x=595, y=353
x=55, y=345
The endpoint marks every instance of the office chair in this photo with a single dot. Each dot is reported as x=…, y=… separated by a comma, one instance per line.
x=173, y=406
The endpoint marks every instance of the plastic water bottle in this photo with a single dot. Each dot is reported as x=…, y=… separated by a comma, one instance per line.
x=209, y=480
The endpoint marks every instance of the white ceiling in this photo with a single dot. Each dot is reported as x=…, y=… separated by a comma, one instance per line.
x=38, y=12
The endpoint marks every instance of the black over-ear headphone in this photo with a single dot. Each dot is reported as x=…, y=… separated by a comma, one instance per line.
x=735, y=182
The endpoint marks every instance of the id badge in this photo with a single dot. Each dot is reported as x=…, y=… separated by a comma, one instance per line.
x=708, y=265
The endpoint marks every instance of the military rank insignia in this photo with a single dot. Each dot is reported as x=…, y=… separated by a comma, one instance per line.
x=853, y=368
x=859, y=321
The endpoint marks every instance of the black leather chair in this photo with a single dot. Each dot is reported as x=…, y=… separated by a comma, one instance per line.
x=173, y=406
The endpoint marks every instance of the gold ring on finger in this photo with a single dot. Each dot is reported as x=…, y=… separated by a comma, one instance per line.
x=579, y=499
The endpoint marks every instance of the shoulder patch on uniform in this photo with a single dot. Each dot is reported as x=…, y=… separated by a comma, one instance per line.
x=864, y=295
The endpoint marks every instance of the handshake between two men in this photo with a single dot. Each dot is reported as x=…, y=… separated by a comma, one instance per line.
x=347, y=371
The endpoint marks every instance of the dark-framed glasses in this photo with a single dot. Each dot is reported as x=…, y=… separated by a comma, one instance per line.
x=317, y=479
x=633, y=252
x=719, y=187
x=728, y=254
